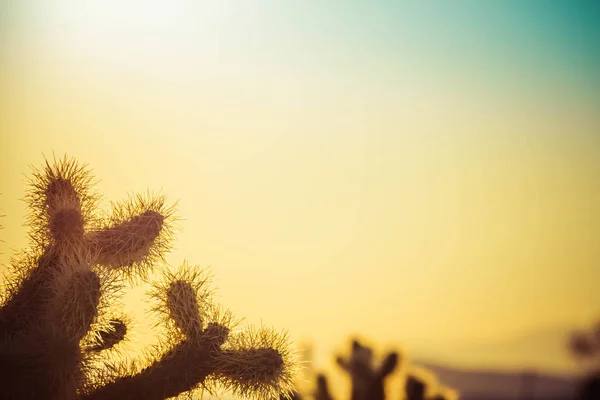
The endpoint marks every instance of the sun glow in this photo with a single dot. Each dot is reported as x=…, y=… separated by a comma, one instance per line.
x=135, y=34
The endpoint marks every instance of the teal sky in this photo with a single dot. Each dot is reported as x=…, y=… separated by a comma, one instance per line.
x=514, y=42
x=505, y=42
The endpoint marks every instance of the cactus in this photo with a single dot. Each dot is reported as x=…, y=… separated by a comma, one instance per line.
x=58, y=325
x=415, y=388
x=322, y=391
x=367, y=381
x=585, y=345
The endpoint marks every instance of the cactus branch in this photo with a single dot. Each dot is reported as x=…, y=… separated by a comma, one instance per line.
x=57, y=315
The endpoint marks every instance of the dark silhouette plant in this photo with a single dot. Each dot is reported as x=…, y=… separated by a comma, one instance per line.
x=59, y=328
x=585, y=345
x=415, y=388
x=367, y=380
x=322, y=391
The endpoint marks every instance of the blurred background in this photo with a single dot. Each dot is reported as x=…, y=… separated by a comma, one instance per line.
x=423, y=175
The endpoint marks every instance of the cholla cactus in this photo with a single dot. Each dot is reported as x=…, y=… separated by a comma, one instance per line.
x=58, y=320
x=367, y=380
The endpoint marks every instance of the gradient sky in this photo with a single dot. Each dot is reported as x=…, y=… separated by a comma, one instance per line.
x=421, y=174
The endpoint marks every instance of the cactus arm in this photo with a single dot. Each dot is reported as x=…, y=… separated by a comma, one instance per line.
x=128, y=242
x=179, y=370
x=388, y=365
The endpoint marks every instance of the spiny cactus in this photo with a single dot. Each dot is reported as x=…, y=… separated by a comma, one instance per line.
x=59, y=326
x=293, y=396
x=367, y=380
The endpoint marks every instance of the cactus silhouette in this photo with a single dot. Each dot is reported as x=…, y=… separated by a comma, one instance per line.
x=322, y=390
x=367, y=381
x=415, y=388
x=58, y=320
x=586, y=346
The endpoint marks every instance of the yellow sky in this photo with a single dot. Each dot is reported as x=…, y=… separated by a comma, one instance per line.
x=433, y=210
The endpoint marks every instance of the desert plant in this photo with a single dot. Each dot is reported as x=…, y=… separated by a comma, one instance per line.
x=586, y=346
x=367, y=380
x=58, y=321
x=322, y=391
x=421, y=384
x=415, y=388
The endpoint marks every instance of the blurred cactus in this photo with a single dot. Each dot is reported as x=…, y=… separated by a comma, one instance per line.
x=590, y=388
x=322, y=390
x=57, y=320
x=586, y=346
x=415, y=388
x=367, y=380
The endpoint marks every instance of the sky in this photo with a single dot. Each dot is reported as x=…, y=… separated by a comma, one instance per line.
x=418, y=173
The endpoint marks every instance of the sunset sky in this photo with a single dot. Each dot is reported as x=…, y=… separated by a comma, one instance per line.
x=421, y=173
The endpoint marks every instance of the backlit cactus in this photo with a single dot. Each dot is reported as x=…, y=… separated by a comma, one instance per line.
x=58, y=322
x=367, y=380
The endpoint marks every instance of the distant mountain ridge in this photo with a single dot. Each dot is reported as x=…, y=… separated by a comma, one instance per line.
x=493, y=385
x=487, y=384
x=545, y=351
